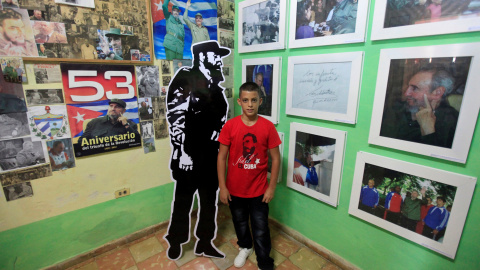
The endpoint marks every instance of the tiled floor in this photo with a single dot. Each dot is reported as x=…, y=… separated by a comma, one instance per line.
x=150, y=253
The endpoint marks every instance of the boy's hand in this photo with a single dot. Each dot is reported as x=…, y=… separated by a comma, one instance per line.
x=225, y=196
x=269, y=194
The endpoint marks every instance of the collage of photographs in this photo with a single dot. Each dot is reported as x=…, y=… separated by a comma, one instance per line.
x=79, y=29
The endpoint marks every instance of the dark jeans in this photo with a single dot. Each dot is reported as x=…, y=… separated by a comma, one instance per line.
x=410, y=224
x=394, y=217
x=366, y=208
x=428, y=232
x=254, y=209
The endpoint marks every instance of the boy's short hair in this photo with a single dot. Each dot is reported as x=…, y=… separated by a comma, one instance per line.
x=250, y=87
x=441, y=198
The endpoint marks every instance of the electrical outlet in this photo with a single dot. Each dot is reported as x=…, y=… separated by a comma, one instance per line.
x=122, y=193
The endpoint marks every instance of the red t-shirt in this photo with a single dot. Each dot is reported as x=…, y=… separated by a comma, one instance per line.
x=247, y=157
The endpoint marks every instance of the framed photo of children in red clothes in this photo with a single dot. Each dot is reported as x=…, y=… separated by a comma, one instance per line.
x=315, y=161
x=425, y=205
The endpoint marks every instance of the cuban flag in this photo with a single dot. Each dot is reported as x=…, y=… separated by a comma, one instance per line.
x=79, y=114
x=208, y=9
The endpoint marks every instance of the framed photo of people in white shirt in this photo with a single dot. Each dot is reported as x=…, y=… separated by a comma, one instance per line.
x=315, y=161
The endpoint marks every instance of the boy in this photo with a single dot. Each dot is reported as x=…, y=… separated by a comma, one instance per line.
x=246, y=140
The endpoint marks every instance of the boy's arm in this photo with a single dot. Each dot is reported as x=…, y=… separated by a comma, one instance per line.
x=270, y=193
x=221, y=169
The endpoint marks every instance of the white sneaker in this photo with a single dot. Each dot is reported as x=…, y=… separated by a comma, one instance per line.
x=242, y=257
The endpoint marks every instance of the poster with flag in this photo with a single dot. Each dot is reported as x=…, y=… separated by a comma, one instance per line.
x=102, y=107
x=208, y=10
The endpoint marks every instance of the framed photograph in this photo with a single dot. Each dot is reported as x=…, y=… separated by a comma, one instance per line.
x=79, y=3
x=315, y=161
x=423, y=96
x=266, y=73
x=424, y=205
x=325, y=86
x=262, y=24
x=327, y=22
x=424, y=18
x=280, y=147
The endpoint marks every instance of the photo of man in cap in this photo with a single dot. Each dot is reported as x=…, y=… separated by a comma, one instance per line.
x=175, y=36
x=114, y=123
x=196, y=112
x=199, y=32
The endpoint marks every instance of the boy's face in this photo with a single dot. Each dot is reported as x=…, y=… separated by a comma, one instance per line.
x=249, y=101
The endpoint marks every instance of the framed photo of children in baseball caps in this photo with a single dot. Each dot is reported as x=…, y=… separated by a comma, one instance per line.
x=315, y=161
x=425, y=205
x=425, y=100
x=400, y=19
x=327, y=22
x=265, y=72
x=262, y=25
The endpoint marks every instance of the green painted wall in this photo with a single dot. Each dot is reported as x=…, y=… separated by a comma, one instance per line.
x=58, y=238
x=53, y=240
x=360, y=242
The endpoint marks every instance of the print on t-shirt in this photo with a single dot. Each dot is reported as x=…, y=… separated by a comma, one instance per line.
x=249, y=159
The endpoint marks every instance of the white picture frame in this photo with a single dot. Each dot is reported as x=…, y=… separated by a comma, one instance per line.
x=310, y=91
x=464, y=185
x=327, y=148
x=444, y=57
x=280, y=148
x=261, y=35
x=399, y=28
x=319, y=39
x=271, y=68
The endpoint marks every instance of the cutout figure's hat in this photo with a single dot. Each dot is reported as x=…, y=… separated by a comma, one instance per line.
x=210, y=46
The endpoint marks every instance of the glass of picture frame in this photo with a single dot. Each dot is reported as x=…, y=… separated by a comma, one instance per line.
x=406, y=178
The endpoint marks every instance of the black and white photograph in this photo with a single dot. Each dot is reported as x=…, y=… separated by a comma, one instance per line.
x=18, y=191
x=145, y=108
x=20, y=153
x=425, y=205
x=226, y=38
x=262, y=25
x=315, y=161
x=47, y=73
x=146, y=128
x=265, y=73
x=14, y=125
x=149, y=145
x=148, y=81
x=80, y=3
x=12, y=97
x=23, y=175
x=226, y=9
x=60, y=153
x=44, y=96
x=420, y=96
x=399, y=19
x=228, y=92
x=327, y=22
x=166, y=80
x=226, y=24
x=159, y=117
x=30, y=4
x=53, y=13
x=166, y=70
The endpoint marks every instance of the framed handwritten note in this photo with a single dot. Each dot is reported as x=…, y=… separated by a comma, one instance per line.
x=324, y=86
